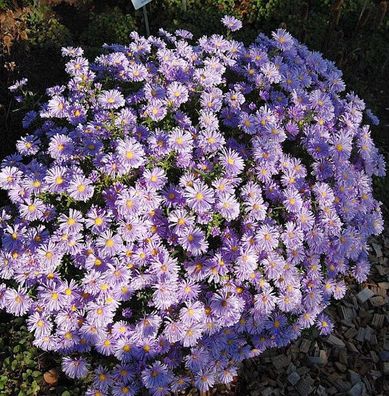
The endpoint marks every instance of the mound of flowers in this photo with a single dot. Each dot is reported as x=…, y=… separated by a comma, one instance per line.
x=180, y=206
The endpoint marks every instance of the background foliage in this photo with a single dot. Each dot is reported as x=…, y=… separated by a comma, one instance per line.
x=353, y=33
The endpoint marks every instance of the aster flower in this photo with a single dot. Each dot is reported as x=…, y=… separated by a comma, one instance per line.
x=228, y=207
x=283, y=39
x=17, y=302
x=130, y=153
x=80, y=188
x=199, y=197
x=75, y=368
x=112, y=99
x=232, y=162
x=231, y=23
x=193, y=240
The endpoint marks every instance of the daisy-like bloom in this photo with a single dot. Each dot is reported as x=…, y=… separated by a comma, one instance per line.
x=75, y=367
x=211, y=141
x=156, y=375
x=102, y=379
x=232, y=162
x=17, y=302
x=72, y=52
x=130, y=153
x=137, y=72
x=112, y=99
x=264, y=303
x=156, y=110
x=80, y=188
x=231, y=23
x=324, y=324
x=32, y=210
x=267, y=238
x=205, y=379
x=98, y=220
x=228, y=206
x=109, y=243
x=77, y=66
x=39, y=324
x=177, y=93
x=56, y=179
x=180, y=140
x=155, y=178
x=73, y=222
x=292, y=201
x=9, y=177
x=193, y=240
x=181, y=220
x=192, y=333
x=292, y=236
x=57, y=107
x=283, y=39
x=199, y=197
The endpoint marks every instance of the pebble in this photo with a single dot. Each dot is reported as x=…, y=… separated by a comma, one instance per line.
x=356, y=390
x=377, y=301
x=293, y=378
x=304, y=387
x=364, y=295
x=341, y=367
x=354, y=377
x=335, y=341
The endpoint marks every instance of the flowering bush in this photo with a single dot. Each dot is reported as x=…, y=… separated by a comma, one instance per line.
x=181, y=207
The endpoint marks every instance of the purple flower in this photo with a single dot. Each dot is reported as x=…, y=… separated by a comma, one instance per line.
x=80, y=188
x=193, y=240
x=75, y=367
x=112, y=99
x=199, y=197
x=231, y=23
x=130, y=153
x=232, y=162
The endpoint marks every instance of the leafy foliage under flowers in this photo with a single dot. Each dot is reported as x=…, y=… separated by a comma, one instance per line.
x=182, y=206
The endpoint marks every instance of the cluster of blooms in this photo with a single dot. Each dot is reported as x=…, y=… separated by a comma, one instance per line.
x=180, y=207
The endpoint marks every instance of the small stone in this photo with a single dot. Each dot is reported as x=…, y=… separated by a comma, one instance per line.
x=386, y=342
x=320, y=360
x=305, y=345
x=378, y=321
x=304, y=387
x=377, y=249
x=335, y=341
x=51, y=377
x=377, y=301
x=384, y=356
x=293, y=378
x=386, y=368
x=343, y=357
x=351, y=333
x=361, y=334
x=340, y=366
x=352, y=348
x=364, y=295
x=354, y=377
x=356, y=390
x=290, y=368
x=280, y=361
x=383, y=285
x=374, y=356
x=368, y=333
